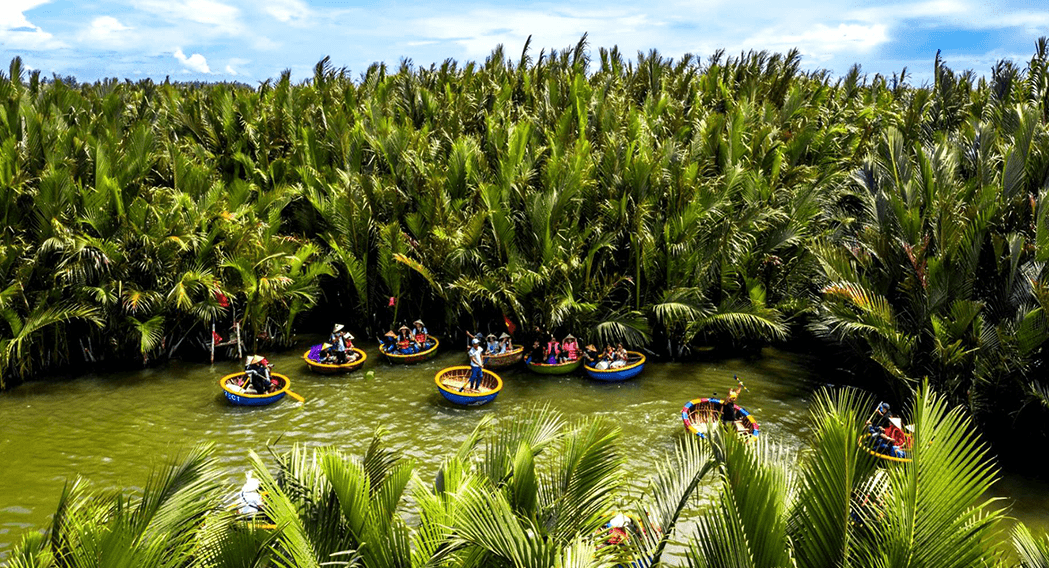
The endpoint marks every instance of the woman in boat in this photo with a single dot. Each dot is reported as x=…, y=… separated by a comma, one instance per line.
x=606, y=358
x=404, y=341
x=569, y=348
x=591, y=354
x=537, y=355
x=422, y=335
x=552, y=351
x=884, y=444
x=493, y=345
x=351, y=355
x=619, y=357
x=249, y=500
x=506, y=343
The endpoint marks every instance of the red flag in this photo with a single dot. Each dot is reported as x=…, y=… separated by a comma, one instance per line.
x=216, y=337
x=509, y=325
x=393, y=301
x=223, y=300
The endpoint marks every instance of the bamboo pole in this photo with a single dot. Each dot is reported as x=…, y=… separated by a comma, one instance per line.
x=212, y=343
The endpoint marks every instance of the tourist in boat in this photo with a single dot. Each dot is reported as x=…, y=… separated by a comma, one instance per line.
x=619, y=357
x=552, y=351
x=257, y=371
x=882, y=417
x=506, y=343
x=569, y=348
x=606, y=358
x=884, y=444
x=537, y=355
x=493, y=344
x=476, y=354
x=338, y=344
x=351, y=355
x=591, y=354
x=404, y=341
x=422, y=335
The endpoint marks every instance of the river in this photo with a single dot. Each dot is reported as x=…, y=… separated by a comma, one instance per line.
x=113, y=429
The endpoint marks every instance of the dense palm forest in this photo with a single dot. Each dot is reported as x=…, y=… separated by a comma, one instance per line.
x=733, y=202
x=534, y=491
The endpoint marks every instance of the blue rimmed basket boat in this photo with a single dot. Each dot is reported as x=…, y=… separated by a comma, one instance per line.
x=700, y=414
x=635, y=364
x=450, y=380
x=555, y=369
x=245, y=399
x=503, y=360
x=423, y=355
x=313, y=361
x=901, y=440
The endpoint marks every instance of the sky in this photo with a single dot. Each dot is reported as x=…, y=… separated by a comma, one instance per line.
x=253, y=40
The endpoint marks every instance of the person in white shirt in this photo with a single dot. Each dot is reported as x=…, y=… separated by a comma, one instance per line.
x=476, y=353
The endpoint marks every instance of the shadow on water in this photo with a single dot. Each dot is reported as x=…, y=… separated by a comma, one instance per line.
x=113, y=429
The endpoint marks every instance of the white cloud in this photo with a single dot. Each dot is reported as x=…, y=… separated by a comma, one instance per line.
x=823, y=42
x=17, y=32
x=195, y=62
x=216, y=15
x=106, y=30
x=230, y=70
x=288, y=11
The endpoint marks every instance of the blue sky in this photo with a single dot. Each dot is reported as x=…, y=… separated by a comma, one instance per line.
x=252, y=40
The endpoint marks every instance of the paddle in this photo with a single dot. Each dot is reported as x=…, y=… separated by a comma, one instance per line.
x=296, y=397
x=740, y=383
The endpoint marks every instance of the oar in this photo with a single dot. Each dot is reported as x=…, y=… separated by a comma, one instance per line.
x=381, y=345
x=740, y=383
x=296, y=397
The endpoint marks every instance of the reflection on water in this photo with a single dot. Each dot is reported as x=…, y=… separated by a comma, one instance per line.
x=113, y=429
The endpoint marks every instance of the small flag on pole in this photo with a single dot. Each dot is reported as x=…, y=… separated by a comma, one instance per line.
x=509, y=324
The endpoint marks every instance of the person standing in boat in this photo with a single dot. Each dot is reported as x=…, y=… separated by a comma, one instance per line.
x=476, y=354
x=338, y=344
x=729, y=413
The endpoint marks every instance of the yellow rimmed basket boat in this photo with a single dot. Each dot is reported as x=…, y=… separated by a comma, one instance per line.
x=312, y=359
x=700, y=414
x=405, y=359
x=635, y=364
x=504, y=360
x=451, y=383
x=240, y=398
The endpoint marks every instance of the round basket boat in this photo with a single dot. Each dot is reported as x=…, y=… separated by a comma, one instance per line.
x=451, y=381
x=503, y=360
x=313, y=356
x=635, y=364
x=412, y=357
x=244, y=399
x=700, y=414
x=555, y=369
x=902, y=441
x=865, y=443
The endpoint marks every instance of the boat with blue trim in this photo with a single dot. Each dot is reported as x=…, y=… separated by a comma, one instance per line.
x=700, y=414
x=452, y=384
x=231, y=387
x=635, y=363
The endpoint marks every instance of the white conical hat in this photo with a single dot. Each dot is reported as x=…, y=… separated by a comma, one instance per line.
x=338, y=327
x=252, y=359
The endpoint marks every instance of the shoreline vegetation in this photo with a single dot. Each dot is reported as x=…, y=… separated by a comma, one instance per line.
x=674, y=205
x=536, y=490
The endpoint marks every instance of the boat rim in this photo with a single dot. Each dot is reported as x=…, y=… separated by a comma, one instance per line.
x=434, y=348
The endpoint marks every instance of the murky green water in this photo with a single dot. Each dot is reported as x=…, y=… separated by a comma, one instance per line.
x=113, y=429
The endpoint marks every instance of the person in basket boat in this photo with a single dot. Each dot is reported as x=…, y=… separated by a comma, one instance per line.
x=257, y=376
x=389, y=342
x=405, y=344
x=569, y=348
x=537, y=355
x=476, y=354
x=608, y=356
x=493, y=345
x=249, y=500
x=553, y=350
x=422, y=335
x=729, y=414
x=882, y=417
x=884, y=444
x=338, y=344
x=591, y=354
x=506, y=344
x=619, y=357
